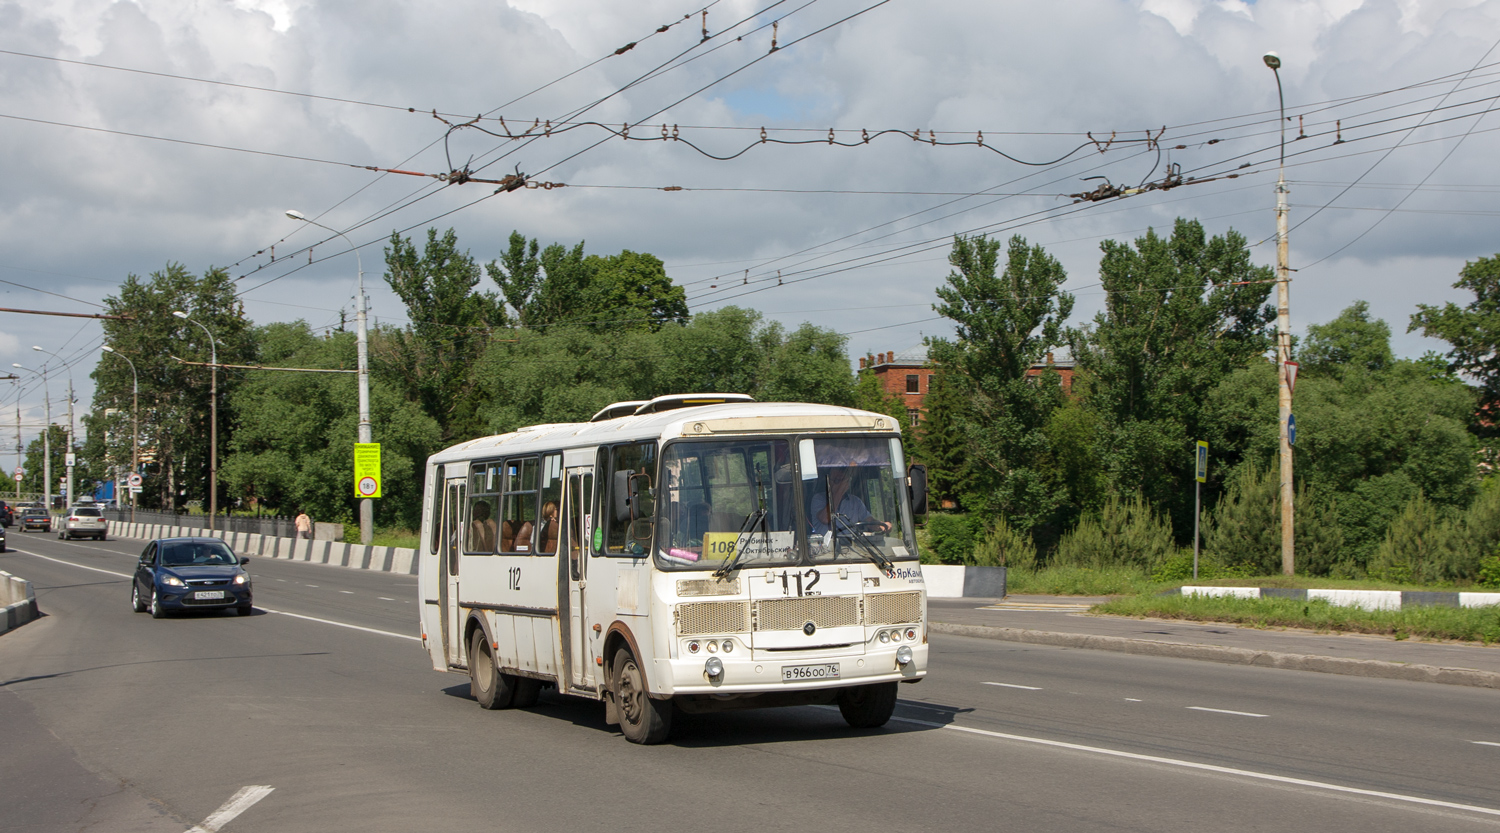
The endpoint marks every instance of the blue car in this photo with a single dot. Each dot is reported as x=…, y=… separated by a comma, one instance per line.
x=190, y=574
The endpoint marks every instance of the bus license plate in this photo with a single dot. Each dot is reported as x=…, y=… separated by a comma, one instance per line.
x=209, y=594
x=802, y=673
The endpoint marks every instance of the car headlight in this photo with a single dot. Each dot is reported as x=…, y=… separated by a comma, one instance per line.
x=242, y=578
x=173, y=581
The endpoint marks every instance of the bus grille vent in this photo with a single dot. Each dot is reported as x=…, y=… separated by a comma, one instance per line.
x=708, y=587
x=792, y=614
x=893, y=608
x=704, y=618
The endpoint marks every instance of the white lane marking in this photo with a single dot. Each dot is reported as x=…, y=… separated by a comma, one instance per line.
x=71, y=564
x=342, y=624
x=1243, y=773
x=1131, y=700
x=1226, y=711
x=309, y=585
x=281, y=579
x=347, y=592
x=1485, y=742
x=238, y=803
x=1013, y=685
x=385, y=599
x=266, y=609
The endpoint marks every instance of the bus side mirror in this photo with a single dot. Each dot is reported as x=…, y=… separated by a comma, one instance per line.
x=916, y=488
x=620, y=496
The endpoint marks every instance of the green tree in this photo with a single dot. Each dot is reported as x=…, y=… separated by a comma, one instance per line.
x=174, y=397
x=1006, y=320
x=450, y=326
x=1473, y=330
x=558, y=285
x=1351, y=340
x=1181, y=314
x=294, y=447
x=35, y=465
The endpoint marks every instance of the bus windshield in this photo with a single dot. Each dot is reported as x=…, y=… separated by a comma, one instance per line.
x=765, y=502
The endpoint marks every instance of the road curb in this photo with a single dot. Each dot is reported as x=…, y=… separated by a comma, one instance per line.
x=1232, y=656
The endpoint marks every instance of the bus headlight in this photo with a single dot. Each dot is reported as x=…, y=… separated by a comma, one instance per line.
x=903, y=656
x=713, y=667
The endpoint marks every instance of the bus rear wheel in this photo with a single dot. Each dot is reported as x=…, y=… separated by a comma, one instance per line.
x=491, y=688
x=642, y=719
x=868, y=706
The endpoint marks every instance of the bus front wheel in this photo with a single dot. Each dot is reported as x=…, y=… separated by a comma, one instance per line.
x=642, y=719
x=868, y=706
x=491, y=688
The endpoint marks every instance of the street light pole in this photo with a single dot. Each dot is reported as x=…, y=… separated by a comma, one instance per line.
x=135, y=442
x=68, y=460
x=46, y=436
x=1283, y=340
x=362, y=352
x=213, y=417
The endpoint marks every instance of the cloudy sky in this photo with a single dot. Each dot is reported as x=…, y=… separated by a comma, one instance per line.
x=138, y=133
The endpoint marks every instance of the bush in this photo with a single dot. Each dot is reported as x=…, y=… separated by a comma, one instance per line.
x=1003, y=546
x=1126, y=533
x=1244, y=531
x=950, y=538
x=1489, y=571
x=1418, y=547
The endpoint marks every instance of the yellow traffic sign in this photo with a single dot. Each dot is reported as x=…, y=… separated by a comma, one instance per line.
x=366, y=470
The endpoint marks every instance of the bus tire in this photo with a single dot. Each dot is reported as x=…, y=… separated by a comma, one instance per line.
x=492, y=689
x=642, y=719
x=868, y=706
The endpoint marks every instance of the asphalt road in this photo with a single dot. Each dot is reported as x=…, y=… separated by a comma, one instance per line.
x=111, y=720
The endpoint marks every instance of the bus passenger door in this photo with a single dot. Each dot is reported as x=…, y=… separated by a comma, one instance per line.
x=448, y=550
x=579, y=639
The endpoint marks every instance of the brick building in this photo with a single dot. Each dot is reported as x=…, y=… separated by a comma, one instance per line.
x=908, y=375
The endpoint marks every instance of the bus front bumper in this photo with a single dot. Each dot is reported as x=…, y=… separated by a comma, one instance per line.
x=744, y=675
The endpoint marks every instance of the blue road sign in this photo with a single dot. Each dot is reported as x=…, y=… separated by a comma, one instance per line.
x=1291, y=429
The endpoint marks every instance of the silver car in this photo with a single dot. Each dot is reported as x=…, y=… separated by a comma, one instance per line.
x=83, y=521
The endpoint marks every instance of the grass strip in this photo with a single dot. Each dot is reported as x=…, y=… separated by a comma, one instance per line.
x=1471, y=624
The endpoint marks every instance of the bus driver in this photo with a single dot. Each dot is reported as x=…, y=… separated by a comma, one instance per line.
x=852, y=509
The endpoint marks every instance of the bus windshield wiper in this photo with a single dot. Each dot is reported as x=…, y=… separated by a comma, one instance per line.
x=756, y=517
x=870, y=550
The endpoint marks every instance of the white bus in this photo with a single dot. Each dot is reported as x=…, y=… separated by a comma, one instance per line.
x=679, y=554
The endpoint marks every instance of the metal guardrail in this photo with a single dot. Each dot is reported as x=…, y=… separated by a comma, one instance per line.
x=276, y=527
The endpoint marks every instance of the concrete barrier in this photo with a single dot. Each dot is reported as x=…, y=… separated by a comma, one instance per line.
x=17, y=601
x=1367, y=599
x=957, y=581
x=355, y=556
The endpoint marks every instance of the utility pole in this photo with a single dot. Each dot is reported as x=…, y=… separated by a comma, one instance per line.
x=362, y=351
x=1283, y=341
x=46, y=434
x=213, y=421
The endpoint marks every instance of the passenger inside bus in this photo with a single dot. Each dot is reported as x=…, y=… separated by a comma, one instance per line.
x=550, y=530
x=481, y=528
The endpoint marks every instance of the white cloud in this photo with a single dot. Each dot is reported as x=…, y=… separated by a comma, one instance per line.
x=100, y=206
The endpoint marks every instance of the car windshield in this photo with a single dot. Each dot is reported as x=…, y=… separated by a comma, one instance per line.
x=762, y=502
x=85, y=512
x=194, y=553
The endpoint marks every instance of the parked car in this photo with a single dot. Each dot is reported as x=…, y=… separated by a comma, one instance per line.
x=7, y=515
x=190, y=574
x=83, y=522
x=36, y=517
x=2, y=539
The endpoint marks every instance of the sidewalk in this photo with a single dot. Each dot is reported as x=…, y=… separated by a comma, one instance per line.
x=1060, y=621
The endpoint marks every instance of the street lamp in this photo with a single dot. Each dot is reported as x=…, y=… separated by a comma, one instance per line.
x=46, y=434
x=1283, y=338
x=213, y=417
x=362, y=350
x=72, y=487
x=135, y=444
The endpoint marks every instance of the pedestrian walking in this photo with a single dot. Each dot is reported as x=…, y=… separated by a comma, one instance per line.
x=304, y=525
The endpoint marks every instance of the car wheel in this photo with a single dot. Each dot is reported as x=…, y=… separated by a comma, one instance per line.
x=103, y=537
x=157, y=611
x=491, y=688
x=868, y=706
x=244, y=610
x=642, y=719
x=137, y=604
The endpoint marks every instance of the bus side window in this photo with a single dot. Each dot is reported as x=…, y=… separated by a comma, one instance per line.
x=435, y=493
x=639, y=459
x=549, y=526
